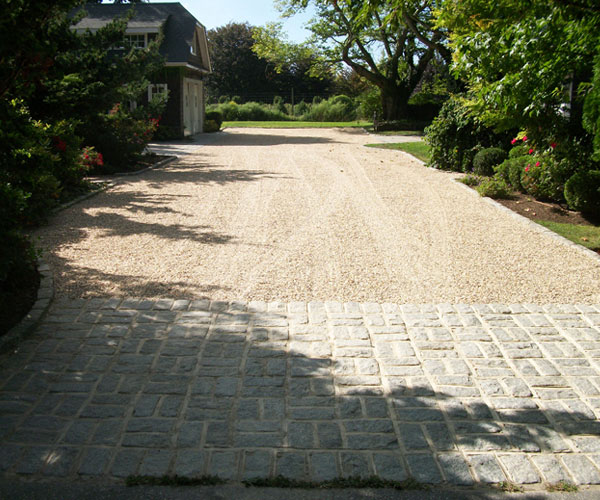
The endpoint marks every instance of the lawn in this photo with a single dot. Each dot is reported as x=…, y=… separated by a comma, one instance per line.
x=588, y=236
x=294, y=124
x=419, y=149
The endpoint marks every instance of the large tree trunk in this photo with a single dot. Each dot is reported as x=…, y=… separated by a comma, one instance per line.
x=394, y=102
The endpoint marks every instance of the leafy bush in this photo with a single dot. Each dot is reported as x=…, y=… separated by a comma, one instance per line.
x=582, y=192
x=211, y=126
x=494, y=187
x=166, y=133
x=121, y=138
x=455, y=137
x=249, y=111
x=336, y=109
x=486, y=159
x=470, y=180
x=510, y=170
x=215, y=116
x=536, y=179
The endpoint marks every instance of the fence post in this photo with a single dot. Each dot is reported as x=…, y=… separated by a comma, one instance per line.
x=292, y=102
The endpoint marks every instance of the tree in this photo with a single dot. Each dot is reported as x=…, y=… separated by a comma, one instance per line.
x=240, y=70
x=526, y=65
x=237, y=70
x=354, y=32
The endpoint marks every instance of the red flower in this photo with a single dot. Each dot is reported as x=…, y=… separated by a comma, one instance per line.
x=527, y=168
x=513, y=141
x=524, y=138
x=552, y=145
x=531, y=151
x=537, y=164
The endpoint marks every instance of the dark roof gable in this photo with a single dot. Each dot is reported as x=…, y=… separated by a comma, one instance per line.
x=176, y=22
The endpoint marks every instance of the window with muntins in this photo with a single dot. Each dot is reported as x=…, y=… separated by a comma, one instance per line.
x=156, y=89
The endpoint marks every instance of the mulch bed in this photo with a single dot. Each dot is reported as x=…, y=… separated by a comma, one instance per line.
x=540, y=210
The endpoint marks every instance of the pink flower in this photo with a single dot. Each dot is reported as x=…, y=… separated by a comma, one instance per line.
x=513, y=141
x=531, y=151
x=527, y=168
x=524, y=138
x=537, y=164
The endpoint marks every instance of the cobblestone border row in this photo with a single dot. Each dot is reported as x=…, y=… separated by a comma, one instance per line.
x=45, y=294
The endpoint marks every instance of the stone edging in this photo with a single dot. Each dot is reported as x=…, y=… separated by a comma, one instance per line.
x=45, y=295
x=45, y=292
x=159, y=164
x=536, y=227
x=532, y=224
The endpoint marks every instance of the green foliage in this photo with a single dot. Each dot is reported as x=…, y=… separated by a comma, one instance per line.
x=211, y=126
x=494, y=187
x=582, y=191
x=486, y=159
x=355, y=32
x=336, y=109
x=519, y=61
x=249, y=111
x=216, y=117
x=510, y=171
x=122, y=138
x=455, y=137
x=538, y=180
x=239, y=71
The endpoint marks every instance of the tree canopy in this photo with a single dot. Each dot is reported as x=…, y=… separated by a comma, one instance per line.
x=390, y=43
x=240, y=70
x=528, y=64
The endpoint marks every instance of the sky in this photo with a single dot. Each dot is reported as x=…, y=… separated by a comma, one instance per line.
x=213, y=14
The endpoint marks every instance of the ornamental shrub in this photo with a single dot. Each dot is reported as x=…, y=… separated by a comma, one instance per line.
x=486, y=159
x=582, y=192
x=336, y=109
x=121, y=138
x=536, y=179
x=494, y=187
x=510, y=170
x=211, y=126
x=455, y=137
x=216, y=116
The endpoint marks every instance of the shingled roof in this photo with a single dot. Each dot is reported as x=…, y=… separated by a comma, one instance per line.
x=175, y=21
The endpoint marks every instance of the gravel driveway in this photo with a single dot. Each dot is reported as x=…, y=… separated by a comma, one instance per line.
x=254, y=214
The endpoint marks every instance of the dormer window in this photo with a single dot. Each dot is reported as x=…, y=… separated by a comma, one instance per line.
x=193, y=48
x=138, y=40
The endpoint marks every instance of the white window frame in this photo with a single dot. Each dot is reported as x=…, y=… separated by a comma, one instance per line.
x=136, y=40
x=157, y=89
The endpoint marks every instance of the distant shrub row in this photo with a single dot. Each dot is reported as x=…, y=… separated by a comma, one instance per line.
x=340, y=108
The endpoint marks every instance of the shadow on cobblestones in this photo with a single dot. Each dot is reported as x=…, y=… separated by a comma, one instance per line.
x=117, y=387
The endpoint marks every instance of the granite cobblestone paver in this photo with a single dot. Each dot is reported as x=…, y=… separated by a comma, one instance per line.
x=444, y=393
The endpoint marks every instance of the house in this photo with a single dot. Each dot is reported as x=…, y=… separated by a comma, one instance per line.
x=184, y=47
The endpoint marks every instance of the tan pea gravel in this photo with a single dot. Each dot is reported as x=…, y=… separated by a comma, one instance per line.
x=306, y=214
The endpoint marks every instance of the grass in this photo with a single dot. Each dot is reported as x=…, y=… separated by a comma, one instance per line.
x=562, y=486
x=298, y=124
x=419, y=149
x=509, y=487
x=588, y=236
x=397, y=132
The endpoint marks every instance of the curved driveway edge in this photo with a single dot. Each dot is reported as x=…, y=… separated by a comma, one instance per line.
x=448, y=394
